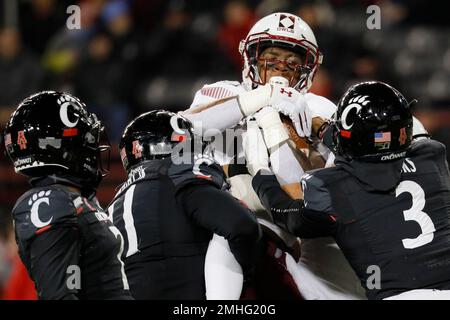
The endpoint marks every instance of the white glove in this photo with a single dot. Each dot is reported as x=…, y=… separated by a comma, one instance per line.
x=274, y=131
x=293, y=104
x=254, y=148
x=252, y=101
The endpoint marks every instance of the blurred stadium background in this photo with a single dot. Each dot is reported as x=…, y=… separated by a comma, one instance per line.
x=132, y=56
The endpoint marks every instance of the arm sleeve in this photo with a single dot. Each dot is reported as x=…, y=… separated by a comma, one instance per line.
x=214, y=120
x=285, y=166
x=52, y=253
x=222, y=214
x=290, y=214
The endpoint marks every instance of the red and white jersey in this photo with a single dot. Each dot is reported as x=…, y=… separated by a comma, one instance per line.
x=225, y=153
x=315, y=274
x=216, y=91
x=320, y=106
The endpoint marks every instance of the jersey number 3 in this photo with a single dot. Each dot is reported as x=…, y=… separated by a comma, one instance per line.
x=415, y=213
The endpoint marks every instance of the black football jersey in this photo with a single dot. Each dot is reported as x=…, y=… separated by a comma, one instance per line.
x=391, y=220
x=68, y=245
x=168, y=213
x=145, y=211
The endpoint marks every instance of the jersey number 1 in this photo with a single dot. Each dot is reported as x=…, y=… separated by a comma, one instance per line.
x=415, y=213
x=118, y=235
x=128, y=219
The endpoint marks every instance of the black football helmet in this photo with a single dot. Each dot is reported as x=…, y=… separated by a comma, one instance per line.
x=373, y=122
x=52, y=133
x=154, y=135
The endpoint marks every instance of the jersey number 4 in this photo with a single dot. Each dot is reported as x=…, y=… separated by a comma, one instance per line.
x=415, y=213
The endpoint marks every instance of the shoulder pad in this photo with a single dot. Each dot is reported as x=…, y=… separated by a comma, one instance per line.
x=230, y=83
x=427, y=146
x=41, y=208
x=216, y=91
x=202, y=169
x=320, y=106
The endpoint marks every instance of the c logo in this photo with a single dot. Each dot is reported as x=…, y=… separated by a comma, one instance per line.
x=35, y=202
x=199, y=160
x=174, y=124
x=65, y=117
x=344, y=115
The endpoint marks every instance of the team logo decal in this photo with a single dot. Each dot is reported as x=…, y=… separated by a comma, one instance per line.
x=289, y=93
x=286, y=22
x=200, y=159
x=179, y=135
x=21, y=140
x=66, y=102
x=356, y=104
x=35, y=202
x=175, y=126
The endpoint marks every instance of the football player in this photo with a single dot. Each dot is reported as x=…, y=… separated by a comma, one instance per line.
x=169, y=208
x=281, y=57
x=69, y=247
x=386, y=202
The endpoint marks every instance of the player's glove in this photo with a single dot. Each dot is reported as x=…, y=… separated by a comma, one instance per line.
x=274, y=131
x=286, y=100
x=291, y=103
x=254, y=100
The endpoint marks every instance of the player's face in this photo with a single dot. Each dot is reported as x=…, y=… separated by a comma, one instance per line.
x=275, y=61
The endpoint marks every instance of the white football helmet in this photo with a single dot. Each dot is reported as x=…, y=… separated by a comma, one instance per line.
x=283, y=30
